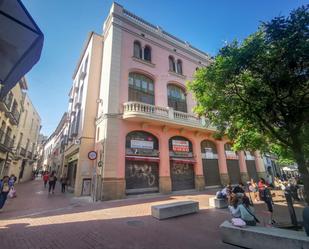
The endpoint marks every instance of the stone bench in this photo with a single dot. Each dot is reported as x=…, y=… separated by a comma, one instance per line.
x=218, y=203
x=263, y=237
x=174, y=209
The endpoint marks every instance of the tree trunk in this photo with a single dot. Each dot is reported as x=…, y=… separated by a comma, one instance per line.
x=303, y=170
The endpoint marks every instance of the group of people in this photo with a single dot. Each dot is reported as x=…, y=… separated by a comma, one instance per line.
x=7, y=189
x=241, y=204
x=51, y=179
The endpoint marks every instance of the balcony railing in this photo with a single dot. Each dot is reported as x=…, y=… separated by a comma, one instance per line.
x=168, y=114
x=6, y=142
x=8, y=100
x=22, y=152
x=29, y=155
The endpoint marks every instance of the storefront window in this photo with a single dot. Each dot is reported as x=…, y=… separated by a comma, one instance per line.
x=180, y=147
x=142, y=143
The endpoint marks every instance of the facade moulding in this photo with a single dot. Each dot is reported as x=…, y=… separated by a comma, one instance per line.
x=161, y=34
x=206, y=61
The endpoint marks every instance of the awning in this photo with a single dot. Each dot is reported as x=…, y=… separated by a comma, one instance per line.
x=183, y=160
x=143, y=158
x=21, y=43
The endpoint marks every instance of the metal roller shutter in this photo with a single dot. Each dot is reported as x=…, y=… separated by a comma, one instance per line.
x=211, y=172
x=141, y=177
x=252, y=170
x=233, y=171
x=182, y=175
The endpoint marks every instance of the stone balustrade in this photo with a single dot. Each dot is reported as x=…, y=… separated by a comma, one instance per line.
x=167, y=113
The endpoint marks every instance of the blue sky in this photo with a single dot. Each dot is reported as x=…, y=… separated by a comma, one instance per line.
x=206, y=24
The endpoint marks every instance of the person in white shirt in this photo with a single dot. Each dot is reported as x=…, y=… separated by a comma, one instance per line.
x=234, y=207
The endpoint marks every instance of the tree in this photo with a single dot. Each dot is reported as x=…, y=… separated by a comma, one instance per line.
x=257, y=92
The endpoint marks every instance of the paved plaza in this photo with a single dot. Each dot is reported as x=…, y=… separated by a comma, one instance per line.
x=37, y=220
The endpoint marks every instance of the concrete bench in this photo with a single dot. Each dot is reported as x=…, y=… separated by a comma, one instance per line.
x=174, y=209
x=263, y=237
x=218, y=203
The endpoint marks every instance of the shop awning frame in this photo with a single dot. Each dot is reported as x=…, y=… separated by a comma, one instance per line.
x=183, y=160
x=143, y=158
x=21, y=43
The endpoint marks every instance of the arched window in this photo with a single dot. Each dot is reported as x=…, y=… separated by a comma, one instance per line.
x=180, y=146
x=141, y=143
x=228, y=147
x=208, y=147
x=229, y=151
x=176, y=98
x=141, y=88
x=137, y=52
x=147, y=53
x=171, y=62
x=179, y=66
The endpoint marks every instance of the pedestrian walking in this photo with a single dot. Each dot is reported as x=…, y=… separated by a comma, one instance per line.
x=4, y=190
x=45, y=179
x=52, y=182
x=63, y=181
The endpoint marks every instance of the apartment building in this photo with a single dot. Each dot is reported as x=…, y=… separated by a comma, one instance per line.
x=137, y=115
x=59, y=141
x=40, y=151
x=82, y=113
x=27, y=135
x=20, y=126
x=11, y=108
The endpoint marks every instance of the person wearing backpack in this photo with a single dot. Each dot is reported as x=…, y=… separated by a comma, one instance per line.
x=4, y=190
x=247, y=212
x=265, y=195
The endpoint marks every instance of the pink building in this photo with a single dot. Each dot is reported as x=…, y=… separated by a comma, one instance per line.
x=147, y=137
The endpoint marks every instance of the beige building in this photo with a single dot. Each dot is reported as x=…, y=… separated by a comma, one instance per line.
x=11, y=107
x=20, y=126
x=27, y=134
x=81, y=123
x=55, y=148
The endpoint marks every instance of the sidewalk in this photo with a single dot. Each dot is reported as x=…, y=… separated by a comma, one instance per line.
x=36, y=220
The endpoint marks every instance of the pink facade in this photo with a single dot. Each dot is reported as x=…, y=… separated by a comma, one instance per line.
x=136, y=163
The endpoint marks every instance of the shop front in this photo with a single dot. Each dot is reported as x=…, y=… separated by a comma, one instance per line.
x=232, y=163
x=71, y=171
x=142, y=163
x=210, y=163
x=251, y=167
x=181, y=163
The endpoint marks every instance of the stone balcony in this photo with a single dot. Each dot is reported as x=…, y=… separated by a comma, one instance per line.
x=138, y=111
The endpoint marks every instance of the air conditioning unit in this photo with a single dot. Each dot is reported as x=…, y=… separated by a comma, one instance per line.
x=76, y=141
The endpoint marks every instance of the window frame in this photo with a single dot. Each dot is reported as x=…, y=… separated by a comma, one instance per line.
x=178, y=103
x=137, y=92
x=137, y=48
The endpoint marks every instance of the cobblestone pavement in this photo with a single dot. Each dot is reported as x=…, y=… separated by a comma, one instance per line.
x=37, y=220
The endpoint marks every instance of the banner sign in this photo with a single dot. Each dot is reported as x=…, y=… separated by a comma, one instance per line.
x=180, y=145
x=139, y=144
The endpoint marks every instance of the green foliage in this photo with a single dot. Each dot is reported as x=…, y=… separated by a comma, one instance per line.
x=257, y=91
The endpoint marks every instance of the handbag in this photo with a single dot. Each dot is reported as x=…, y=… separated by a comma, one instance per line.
x=12, y=193
x=238, y=222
